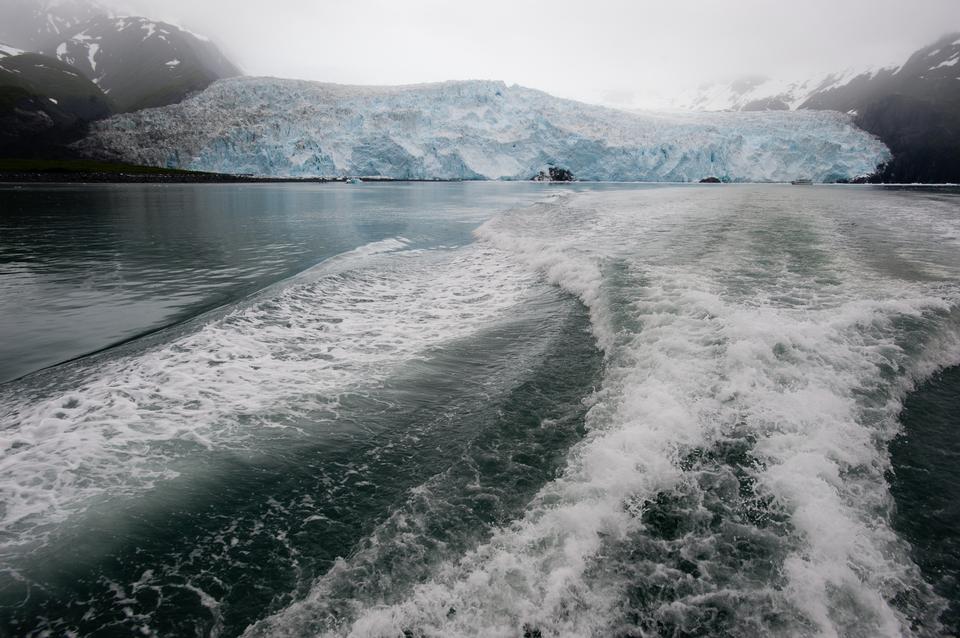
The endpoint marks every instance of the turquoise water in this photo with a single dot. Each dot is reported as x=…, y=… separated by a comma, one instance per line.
x=478, y=409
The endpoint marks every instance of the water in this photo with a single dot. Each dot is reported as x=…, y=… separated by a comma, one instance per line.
x=85, y=267
x=926, y=484
x=479, y=409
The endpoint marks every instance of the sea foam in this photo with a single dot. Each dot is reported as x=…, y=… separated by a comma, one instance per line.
x=270, y=369
x=732, y=478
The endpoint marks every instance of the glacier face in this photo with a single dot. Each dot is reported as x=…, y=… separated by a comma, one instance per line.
x=473, y=130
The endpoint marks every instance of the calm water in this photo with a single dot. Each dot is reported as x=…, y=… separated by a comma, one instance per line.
x=85, y=267
x=479, y=409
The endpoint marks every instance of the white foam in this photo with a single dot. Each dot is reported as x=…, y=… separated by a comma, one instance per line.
x=117, y=428
x=692, y=355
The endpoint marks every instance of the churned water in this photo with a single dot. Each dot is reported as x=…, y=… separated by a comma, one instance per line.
x=479, y=410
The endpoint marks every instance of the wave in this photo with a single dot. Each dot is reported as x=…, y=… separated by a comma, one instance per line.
x=757, y=351
x=262, y=374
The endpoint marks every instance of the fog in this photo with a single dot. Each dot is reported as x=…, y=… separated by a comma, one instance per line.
x=633, y=54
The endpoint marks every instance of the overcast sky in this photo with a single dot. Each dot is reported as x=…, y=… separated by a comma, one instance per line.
x=627, y=53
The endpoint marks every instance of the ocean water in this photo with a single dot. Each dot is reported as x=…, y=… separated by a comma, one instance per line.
x=83, y=267
x=479, y=410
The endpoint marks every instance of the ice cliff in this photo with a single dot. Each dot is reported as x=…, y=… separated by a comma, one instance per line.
x=473, y=130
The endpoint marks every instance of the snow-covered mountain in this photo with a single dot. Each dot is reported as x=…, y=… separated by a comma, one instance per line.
x=138, y=62
x=142, y=63
x=473, y=130
x=913, y=108
x=932, y=69
x=930, y=73
x=761, y=93
x=6, y=50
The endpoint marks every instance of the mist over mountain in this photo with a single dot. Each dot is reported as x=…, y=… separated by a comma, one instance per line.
x=763, y=93
x=141, y=63
x=66, y=63
x=913, y=107
x=137, y=61
x=39, y=25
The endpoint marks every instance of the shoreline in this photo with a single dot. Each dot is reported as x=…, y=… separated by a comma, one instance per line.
x=41, y=177
x=38, y=171
x=51, y=177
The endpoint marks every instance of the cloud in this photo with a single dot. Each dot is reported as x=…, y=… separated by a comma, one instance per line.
x=584, y=50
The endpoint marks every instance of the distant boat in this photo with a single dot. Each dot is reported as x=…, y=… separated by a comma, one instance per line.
x=802, y=182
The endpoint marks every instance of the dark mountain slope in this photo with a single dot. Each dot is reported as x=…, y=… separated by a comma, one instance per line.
x=914, y=109
x=44, y=103
x=139, y=62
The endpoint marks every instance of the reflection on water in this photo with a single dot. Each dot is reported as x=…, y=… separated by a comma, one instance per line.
x=86, y=266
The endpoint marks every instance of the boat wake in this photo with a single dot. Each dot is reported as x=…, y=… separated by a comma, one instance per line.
x=732, y=480
x=623, y=411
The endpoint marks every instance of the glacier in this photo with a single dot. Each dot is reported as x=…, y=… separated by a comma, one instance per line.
x=473, y=130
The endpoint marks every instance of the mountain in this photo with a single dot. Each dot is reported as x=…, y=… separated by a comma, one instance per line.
x=43, y=102
x=142, y=63
x=38, y=25
x=472, y=130
x=914, y=107
x=931, y=73
x=7, y=50
x=138, y=62
x=761, y=93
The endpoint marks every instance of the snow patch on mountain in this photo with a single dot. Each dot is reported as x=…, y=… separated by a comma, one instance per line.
x=763, y=93
x=143, y=62
x=39, y=25
x=950, y=62
x=92, y=51
x=473, y=130
x=6, y=50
